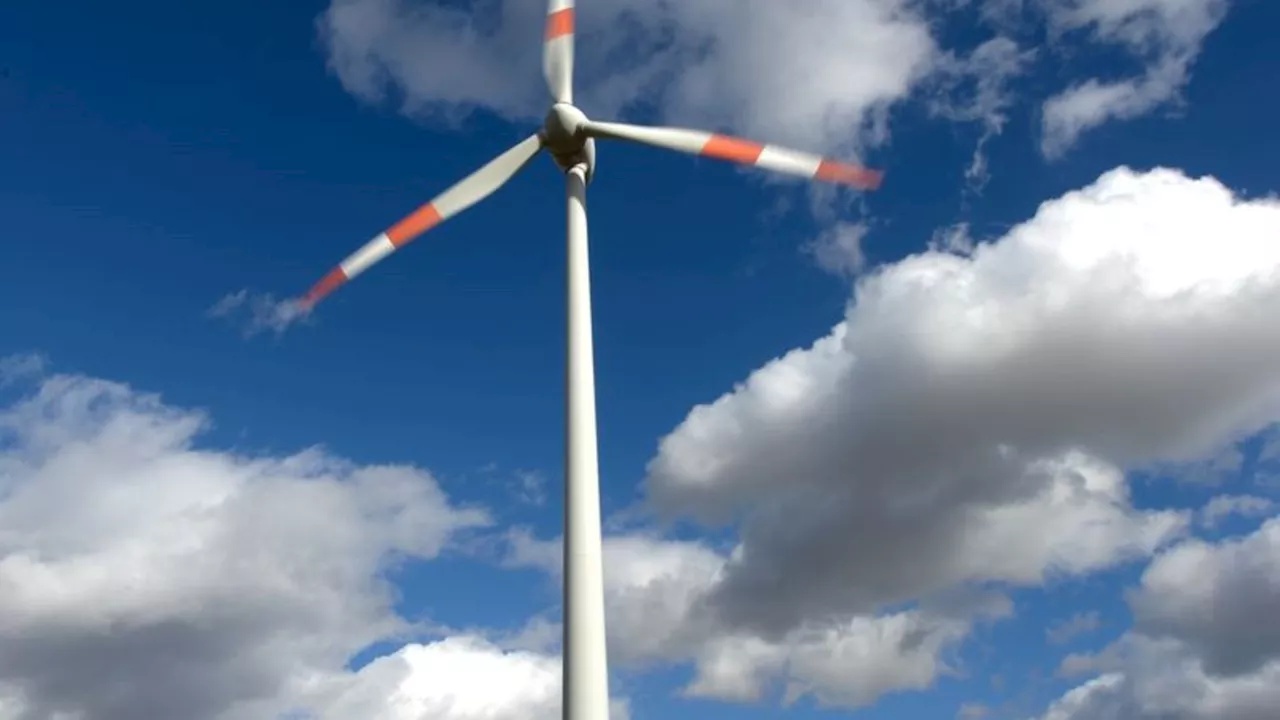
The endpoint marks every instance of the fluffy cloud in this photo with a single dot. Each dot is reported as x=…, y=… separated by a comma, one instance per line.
x=972, y=417
x=1164, y=35
x=1203, y=647
x=460, y=678
x=144, y=576
x=710, y=64
x=847, y=663
x=1225, y=506
x=1211, y=597
x=697, y=62
x=838, y=250
x=656, y=592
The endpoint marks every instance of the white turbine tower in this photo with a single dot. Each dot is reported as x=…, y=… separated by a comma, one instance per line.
x=570, y=137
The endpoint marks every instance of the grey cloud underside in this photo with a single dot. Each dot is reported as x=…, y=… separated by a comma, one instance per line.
x=1202, y=647
x=1215, y=599
x=654, y=596
x=166, y=668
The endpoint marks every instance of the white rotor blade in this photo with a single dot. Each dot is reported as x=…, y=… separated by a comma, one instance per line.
x=474, y=188
x=745, y=152
x=557, y=50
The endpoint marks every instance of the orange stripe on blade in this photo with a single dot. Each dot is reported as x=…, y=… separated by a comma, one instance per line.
x=327, y=284
x=732, y=149
x=560, y=23
x=831, y=171
x=422, y=220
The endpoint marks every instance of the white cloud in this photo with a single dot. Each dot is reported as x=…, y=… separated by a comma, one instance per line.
x=954, y=239
x=971, y=419
x=459, y=678
x=1225, y=506
x=822, y=79
x=144, y=576
x=978, y=90
x=1216, y=599
x=265, y=312
x=17, y=368
x=838, y=250
x=1203, y=647
x=1164, y=35
x=652, y=590
x=1211, y=471
x=656, y=592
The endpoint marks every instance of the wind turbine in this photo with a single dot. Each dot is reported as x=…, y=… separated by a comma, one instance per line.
x=570, y=138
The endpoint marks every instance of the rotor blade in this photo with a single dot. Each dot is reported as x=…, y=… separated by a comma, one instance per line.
x=745, y=152
x=461, y=196
x=557, y=50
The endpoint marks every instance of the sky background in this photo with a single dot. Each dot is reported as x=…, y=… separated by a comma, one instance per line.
x=1035, y=479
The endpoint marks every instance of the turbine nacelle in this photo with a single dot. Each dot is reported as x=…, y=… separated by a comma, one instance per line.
x=564, y=136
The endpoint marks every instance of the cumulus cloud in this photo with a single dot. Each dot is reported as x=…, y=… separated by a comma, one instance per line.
x=972, y=418
x=822, y=79
x=260, y=312
x=1203, y=646
x=656, y=592
x=144, y=576
x=1225, y=506
x=1164, y=35
x=459, y=678
x=1212, y=598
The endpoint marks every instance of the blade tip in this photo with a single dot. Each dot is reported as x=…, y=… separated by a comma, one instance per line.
x=321, y=290
x=851, y=175
x=560, y=23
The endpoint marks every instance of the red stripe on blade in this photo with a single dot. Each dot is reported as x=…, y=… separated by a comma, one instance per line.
x=560, y=23
x=422, y=220
x=732, y=149
x=834, y=172
x=327, y=284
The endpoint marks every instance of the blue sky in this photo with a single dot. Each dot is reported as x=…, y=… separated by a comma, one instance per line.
x=160, y=156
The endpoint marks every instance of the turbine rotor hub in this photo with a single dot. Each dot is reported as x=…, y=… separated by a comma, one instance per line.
x=563, y=126
x=562, y=130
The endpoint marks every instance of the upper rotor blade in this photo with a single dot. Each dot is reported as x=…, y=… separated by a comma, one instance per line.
x=461, y=196
x=557, y=50
x=745, y=152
